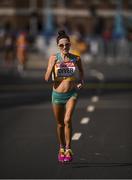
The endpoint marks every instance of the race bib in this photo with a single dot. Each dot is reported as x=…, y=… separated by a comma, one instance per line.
x=65, y=69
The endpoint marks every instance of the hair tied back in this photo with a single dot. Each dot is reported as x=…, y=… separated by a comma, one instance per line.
x=61, y=33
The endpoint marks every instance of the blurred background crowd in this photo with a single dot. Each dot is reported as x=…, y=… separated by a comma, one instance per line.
x=100, y=31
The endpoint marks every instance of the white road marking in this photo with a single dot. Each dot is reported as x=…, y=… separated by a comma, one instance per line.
x=90, y=108
x=97, y=154
x=95, y=99
x=97, y=74
x=91, y=136
x=85, y=120
x=76, y=136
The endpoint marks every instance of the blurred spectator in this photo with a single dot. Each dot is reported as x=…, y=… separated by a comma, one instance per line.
x=52, y=47
x=81, y=31
x=2, y=33
x=107, y=34
x=40, y=44
x=107, y=37
x=94, y=47
x=99, y=26
x=9, y=48
x=129, y=38
x=119, y=37
x=129, y=35
x=79, y=46
x=22, y=45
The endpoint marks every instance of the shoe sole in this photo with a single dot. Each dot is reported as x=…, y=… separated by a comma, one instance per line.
x=67, y=161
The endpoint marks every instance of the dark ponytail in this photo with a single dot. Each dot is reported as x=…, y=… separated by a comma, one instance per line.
x=62, y=34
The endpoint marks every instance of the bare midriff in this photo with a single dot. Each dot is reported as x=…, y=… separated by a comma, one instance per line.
x=63, y=86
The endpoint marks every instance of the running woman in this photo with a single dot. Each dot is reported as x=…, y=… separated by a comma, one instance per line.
x=62, y=66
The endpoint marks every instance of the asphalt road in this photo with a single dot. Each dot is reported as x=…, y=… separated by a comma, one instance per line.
x=101, y=140
x=102, y=150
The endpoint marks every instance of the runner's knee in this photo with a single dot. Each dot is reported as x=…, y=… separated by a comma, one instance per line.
x=60, y=125
x=67, y=121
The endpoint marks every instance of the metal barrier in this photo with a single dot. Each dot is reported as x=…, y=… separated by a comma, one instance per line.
x=112, y=51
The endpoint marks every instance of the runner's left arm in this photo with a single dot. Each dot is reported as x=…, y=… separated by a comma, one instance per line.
x=81, y=73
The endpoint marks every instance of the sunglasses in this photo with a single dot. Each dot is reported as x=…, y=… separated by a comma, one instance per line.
x=63, y=45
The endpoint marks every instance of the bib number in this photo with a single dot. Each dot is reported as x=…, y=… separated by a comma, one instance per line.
x=65, y=72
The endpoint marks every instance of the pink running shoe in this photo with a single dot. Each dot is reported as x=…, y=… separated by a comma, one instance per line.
x=68, y=155
x=61, y=155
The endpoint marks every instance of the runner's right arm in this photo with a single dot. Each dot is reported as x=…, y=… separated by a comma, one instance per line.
x=51, y=64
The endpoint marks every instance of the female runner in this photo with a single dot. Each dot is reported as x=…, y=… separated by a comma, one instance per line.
x=63, y=66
